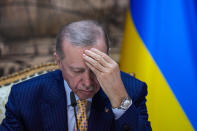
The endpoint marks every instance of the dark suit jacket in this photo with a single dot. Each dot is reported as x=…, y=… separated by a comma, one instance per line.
x=39, y=104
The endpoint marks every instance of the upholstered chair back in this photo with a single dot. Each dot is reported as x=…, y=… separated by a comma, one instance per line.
x=7, y=82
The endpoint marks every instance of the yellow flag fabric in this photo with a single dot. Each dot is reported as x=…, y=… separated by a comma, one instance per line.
x=140, y=54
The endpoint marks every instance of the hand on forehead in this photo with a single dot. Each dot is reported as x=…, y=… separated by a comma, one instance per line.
x=107, y=73
x=97, y=60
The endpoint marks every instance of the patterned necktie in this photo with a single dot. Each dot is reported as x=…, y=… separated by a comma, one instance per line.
x=82, y=115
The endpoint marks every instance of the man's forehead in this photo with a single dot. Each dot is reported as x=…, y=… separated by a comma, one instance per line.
x=100, y=45
x=73, y=55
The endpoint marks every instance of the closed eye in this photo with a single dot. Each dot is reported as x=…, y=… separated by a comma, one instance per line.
x=78, y=72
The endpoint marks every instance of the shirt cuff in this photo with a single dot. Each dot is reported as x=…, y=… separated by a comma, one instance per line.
x=119, y=112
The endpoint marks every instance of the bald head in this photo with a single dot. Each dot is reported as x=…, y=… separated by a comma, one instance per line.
x=81, y=33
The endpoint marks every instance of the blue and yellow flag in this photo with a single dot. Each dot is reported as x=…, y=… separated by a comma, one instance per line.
x=160, y=47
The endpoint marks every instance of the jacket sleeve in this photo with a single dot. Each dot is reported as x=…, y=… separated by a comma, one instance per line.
x=12, y=122
x=136, y=117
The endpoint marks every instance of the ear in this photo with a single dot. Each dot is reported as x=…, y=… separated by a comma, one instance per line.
x=57, y=59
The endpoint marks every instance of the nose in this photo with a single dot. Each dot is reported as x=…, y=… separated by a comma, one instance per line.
x=87, y=79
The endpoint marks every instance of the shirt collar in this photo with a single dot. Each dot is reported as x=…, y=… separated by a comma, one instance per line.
x=68, y=90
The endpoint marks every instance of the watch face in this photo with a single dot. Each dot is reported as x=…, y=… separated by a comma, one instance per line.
x=125, y=104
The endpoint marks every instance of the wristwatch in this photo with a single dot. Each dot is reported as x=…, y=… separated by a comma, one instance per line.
x=125, y=104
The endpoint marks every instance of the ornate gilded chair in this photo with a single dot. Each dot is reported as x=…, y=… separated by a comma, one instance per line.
x=8, y=81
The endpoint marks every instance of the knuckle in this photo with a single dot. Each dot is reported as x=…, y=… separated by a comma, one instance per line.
x=98, y=58
x=110, y=71
x=114, y=65
x=94, y=63
x=103, y=55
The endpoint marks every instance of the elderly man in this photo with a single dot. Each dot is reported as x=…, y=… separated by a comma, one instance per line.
x=107, y=99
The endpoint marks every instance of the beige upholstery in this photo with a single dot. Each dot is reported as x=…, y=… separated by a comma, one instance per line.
x=7, y=82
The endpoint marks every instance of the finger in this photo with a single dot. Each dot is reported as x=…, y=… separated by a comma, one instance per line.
x=97, y=57
x=105, y=56
x=92, y=68
x=94, y=63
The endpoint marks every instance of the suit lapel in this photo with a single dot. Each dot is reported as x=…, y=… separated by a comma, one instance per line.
x=53, y=106
x=101, y=115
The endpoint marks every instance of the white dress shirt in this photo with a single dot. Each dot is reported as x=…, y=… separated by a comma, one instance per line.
x=70, y=110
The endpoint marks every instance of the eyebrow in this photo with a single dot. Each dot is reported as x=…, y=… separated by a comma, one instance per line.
x=76, y=68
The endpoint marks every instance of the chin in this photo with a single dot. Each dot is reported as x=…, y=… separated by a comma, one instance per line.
x=86, y=94
x=83, y=96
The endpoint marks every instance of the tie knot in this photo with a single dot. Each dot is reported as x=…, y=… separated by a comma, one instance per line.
x=82, y=103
